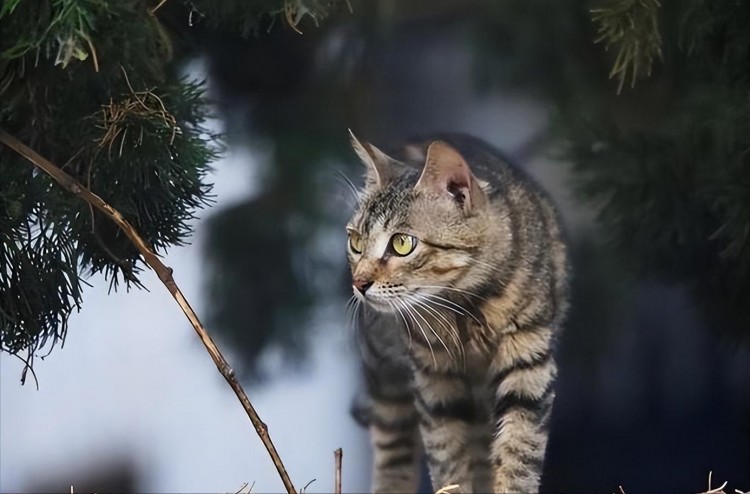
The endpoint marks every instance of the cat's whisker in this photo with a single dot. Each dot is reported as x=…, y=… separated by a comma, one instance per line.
x=491, y=267
x=417, y=299
x=424, y=302
x=410, y=310
x=452, y=306
x=349, y=186
x=352, y=310
x=397, y=309
x=349, y=305
x=458, y=309
x=416, y=305
x=444, y=322
x=459, y=290
x=450, y=330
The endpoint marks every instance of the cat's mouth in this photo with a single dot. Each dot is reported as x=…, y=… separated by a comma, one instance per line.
x=376, y=300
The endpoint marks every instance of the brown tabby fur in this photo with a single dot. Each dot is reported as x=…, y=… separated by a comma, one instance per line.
x=457, y=336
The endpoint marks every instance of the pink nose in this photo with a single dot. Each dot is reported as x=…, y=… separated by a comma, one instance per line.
x=362, y=284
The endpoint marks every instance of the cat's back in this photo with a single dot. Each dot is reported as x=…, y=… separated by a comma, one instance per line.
x=512, y=191
x=524, y=211
x=487, y=162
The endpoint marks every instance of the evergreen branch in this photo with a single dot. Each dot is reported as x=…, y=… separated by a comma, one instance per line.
x=296, y=10
x=165, y=275
x=8, y=7
x=631, y=26
x=69, y=25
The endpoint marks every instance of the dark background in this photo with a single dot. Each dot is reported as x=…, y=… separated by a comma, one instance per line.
x=653, y=183
x=654, y=370
x=653, y=386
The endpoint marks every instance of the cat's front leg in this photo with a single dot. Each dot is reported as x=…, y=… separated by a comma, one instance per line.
x=446, y=412
x=395, y=448
x=392, y=421
x=524, y=371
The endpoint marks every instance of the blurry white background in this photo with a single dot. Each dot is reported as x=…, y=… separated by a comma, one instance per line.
x=133, y=383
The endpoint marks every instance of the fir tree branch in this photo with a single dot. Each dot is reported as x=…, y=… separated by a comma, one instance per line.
x=165, y=275
x=630, y=26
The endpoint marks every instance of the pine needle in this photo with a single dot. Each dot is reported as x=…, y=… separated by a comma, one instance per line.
x=630, y=27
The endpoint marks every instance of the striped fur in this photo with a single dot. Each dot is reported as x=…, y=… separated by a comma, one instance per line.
x=457, y=335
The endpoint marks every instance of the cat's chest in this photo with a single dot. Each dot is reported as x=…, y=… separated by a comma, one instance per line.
x=477, y=362
x=472, y=360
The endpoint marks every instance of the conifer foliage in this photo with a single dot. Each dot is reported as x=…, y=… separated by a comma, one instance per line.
x=88, y=84
x=94, y=86
x=652, y=103
x=661, y=151
x=673, y=189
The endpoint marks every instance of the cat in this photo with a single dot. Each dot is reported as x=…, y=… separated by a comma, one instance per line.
x=460, y=280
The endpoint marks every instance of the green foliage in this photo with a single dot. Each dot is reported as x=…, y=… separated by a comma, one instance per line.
x=631, y=27
x=92, y=86
x=62, y=26
x=674, y=191
x=246, y=18
x=242, y=18
x=665, y=163
x=89, y=85
x=679, y=202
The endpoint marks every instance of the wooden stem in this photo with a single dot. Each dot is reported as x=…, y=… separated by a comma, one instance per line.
x=338, y=456
x=165, y=275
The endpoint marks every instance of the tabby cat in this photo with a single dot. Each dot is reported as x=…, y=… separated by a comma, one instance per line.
x=461, y=265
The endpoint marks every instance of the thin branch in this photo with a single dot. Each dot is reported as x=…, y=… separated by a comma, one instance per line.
x=158, y=6
x=304, y=489
x=714, y=490
x=447, y=489
x=165, y=275
x=337, y=455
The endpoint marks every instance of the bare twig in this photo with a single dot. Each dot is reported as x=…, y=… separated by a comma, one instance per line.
x=289, y=15
x=27, y=366
x=714, y=490
x=338, y=455
x=165, y=275
x=447, y=489
x=243, y=487
x=158, y=6
x=304, y=489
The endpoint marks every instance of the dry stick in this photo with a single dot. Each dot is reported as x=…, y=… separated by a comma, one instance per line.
x=337, y=455
x=165, y=275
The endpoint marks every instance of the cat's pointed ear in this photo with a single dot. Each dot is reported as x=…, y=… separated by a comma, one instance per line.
x=381, y=169
x=446, y=173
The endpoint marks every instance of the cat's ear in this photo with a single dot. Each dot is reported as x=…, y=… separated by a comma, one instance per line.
x=447, y=173
x=381, y=169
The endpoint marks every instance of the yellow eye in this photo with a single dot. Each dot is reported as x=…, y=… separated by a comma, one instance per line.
x=403, y=244
x=355, y=243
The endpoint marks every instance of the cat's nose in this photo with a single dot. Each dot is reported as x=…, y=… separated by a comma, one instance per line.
x=362, y=284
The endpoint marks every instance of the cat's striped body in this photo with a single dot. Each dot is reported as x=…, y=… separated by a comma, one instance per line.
x=458, y=332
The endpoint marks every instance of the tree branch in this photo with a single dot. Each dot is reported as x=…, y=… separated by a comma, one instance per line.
x=165, y=275
x=337, y=455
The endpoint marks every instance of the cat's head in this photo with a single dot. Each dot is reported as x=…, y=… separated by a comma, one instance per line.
x=419, y=231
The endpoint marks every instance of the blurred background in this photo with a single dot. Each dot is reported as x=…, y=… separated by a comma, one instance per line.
x=650, y=169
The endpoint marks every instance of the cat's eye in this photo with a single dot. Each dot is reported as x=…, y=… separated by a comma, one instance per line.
x=355, y=243
x=403, y=244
